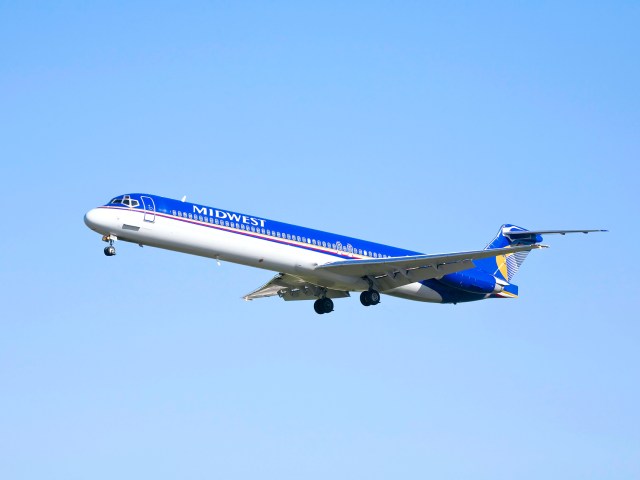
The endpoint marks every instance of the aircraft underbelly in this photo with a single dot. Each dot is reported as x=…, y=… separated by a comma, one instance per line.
x=254, y=252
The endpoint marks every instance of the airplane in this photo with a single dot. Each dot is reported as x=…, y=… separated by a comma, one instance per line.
x=314, y=264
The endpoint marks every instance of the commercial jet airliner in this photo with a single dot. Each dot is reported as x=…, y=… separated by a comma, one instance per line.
x=313, y=264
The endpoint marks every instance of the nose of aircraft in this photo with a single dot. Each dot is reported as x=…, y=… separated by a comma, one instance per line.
x=92, y=219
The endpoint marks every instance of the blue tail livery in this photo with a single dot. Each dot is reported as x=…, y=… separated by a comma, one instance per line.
x=314, y=264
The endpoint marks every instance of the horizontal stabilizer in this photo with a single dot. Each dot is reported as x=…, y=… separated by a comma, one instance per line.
x=505, y=267
x=528, y=233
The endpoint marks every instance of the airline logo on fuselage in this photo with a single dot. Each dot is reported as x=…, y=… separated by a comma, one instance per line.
x=235, y=217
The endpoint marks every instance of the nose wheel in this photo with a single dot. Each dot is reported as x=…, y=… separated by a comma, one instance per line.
x=370, y=297
x=109, y=251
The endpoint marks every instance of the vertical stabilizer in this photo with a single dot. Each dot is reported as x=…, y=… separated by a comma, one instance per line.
x=506, y=266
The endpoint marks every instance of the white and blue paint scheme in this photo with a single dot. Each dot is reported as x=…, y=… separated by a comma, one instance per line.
x=313, y=264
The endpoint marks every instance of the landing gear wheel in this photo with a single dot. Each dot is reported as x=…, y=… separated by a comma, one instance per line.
x=364, y=299
x=374, y=295
x=370, y=297
x=317, y=306
x=323, y=305
x=110, y=251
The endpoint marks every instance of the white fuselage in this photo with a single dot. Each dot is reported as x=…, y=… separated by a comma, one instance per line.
x=228, y=244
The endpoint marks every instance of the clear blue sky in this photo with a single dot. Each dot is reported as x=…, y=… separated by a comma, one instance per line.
x=422, y=126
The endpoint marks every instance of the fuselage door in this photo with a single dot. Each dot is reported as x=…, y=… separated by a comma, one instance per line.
x=149, y=209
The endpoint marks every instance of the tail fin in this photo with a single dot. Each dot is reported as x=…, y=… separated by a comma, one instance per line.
x=506, y=266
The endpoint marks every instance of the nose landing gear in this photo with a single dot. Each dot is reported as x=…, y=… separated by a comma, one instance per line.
x=109, y=251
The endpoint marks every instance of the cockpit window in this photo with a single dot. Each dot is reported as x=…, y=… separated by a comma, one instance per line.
x=126, y=200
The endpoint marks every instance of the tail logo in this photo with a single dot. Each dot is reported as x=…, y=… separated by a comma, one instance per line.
x=501, y=261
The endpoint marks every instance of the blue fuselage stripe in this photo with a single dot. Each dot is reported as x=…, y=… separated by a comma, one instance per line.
x=348, y=247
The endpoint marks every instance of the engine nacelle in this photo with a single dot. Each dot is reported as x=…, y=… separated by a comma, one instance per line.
x=474, y=281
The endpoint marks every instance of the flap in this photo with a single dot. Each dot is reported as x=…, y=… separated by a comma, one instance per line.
x=290, y=287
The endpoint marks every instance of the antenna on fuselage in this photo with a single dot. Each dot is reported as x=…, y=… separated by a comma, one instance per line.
x=184, y=199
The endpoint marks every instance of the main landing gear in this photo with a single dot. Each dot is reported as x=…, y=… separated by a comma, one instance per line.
x=367, y=298
x=370, y=297
x=109, y=251
x=323, y=305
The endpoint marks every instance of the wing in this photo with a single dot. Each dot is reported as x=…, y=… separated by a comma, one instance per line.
x=388, y=273
x=290, y=287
